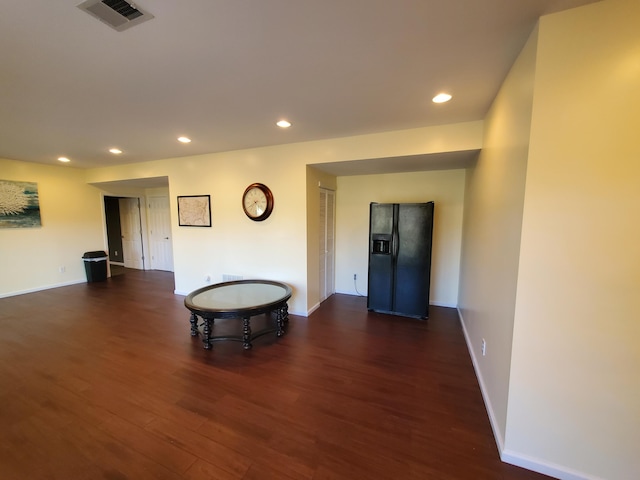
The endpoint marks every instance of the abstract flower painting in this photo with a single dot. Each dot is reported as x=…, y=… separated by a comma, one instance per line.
x=19, y=204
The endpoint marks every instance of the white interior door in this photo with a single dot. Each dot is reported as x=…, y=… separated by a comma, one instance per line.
x=160, y=246
x=327, y=243
x=131, y=233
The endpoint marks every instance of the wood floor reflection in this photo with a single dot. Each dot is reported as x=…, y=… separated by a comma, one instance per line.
x=104, y=381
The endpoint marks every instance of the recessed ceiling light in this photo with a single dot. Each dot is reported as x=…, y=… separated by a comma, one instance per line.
x=283, y=124
x=184, y=139
x=441, y=98
x=115, y=151
x=63, y=159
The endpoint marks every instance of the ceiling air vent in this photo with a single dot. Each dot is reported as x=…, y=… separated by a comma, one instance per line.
x=118, y=14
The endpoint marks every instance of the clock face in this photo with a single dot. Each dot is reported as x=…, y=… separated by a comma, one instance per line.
x=257, y=202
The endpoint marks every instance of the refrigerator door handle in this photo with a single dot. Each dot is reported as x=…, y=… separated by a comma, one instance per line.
x=394, y=243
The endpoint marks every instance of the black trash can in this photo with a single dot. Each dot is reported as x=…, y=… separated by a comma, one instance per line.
x=95, y=264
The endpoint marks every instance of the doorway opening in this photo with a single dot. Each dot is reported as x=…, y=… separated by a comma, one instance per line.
x=124, y=234
x=138, y=224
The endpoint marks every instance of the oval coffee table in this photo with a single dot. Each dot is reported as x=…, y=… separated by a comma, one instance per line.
x=241, y=299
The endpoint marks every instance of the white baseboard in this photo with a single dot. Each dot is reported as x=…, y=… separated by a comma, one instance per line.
x=487, y=401
x=508, y=456
x=350, y=292
x=441, y=304
x=434, y=303
x=40, y=289
x=546, y=468
x=313, y=309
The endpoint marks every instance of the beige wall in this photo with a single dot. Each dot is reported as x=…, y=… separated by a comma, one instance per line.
x=574, y=397
x=234, y=245
x=355, y=193
x=72, y=216
x=551, y=263
x=560, y=378
x=284, y=247
x=492, y=222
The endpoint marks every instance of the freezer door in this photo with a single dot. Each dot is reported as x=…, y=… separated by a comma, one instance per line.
x=413, y=262
x=381, y=262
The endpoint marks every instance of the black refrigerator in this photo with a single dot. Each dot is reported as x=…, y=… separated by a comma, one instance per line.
x=400, y=236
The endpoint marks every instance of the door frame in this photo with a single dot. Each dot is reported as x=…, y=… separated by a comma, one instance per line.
x=144, y=232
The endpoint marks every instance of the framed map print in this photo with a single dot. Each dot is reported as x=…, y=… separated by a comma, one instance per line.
x=194, y=211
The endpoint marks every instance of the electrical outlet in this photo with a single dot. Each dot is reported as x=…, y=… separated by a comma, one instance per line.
x=62, y=269
x=484, y=347
x=355, y=276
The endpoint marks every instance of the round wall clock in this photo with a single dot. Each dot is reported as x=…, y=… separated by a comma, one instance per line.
x=257, y=202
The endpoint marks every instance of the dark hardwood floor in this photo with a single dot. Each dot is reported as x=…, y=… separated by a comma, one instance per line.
x=103, y=381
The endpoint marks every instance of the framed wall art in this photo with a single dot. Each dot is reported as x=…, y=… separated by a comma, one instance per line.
x=194, y=211
x=19, y=204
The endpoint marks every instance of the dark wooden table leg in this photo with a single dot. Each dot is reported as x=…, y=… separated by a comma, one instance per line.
x=194, y=325
x=246, y=334
x=207, y=333
x=280, y=322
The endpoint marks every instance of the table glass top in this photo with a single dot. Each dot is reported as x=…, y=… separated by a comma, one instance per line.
x=239, y=296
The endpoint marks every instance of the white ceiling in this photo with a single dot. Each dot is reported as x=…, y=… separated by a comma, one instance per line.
x=223, y=71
